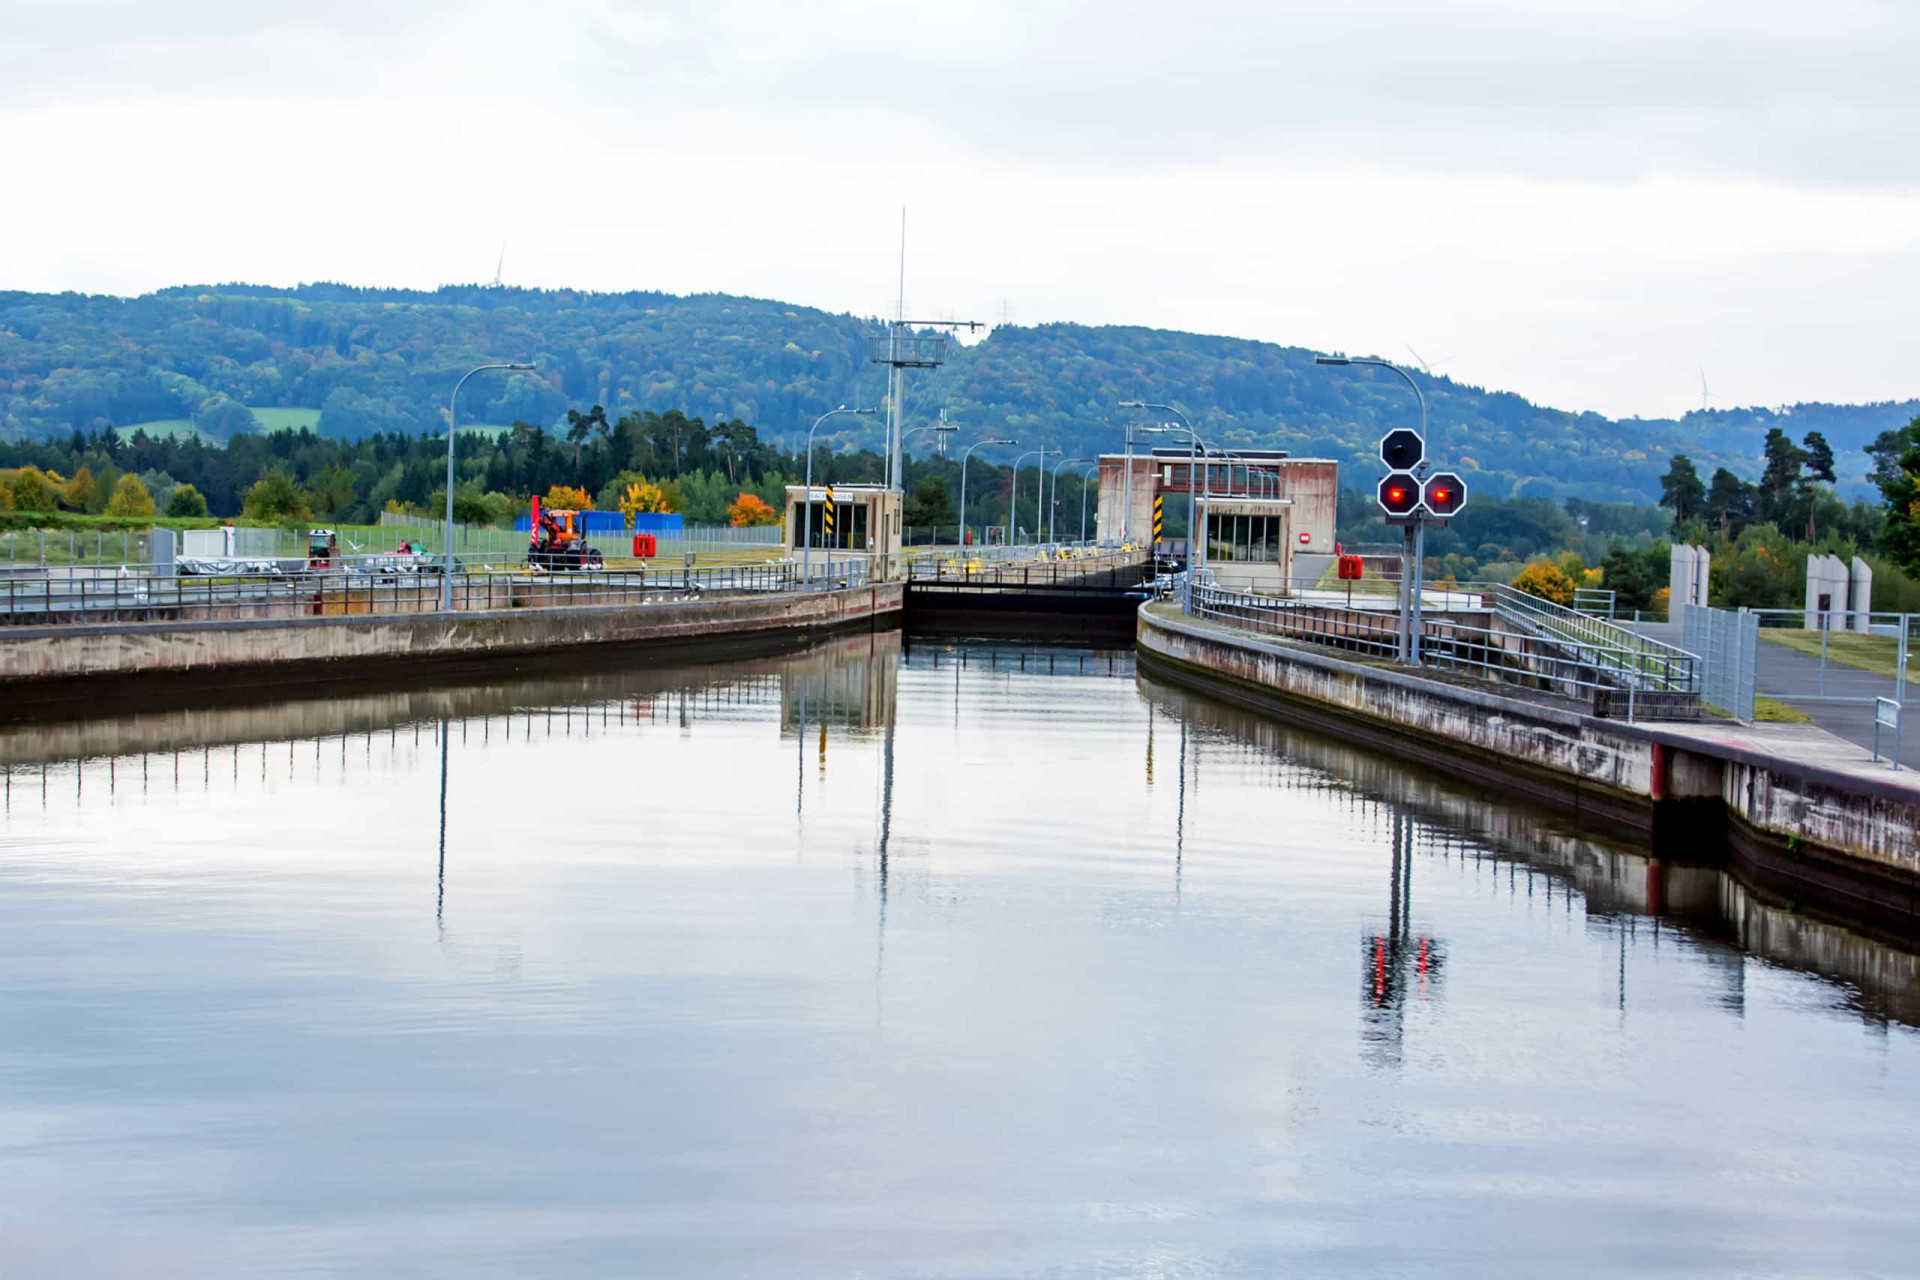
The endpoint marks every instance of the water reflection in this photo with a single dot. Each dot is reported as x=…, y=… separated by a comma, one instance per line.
x=1531, y=857
x=984, y=964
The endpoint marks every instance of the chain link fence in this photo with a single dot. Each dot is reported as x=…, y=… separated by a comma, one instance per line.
x=1728, y=643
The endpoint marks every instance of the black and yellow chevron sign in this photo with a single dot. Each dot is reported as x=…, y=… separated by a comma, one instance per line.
x=827, y=516
x=1158, y=502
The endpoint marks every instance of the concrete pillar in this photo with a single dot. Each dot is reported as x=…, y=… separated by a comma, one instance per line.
x=1702, y=563
x=1680, y=571
x=1826, y=592
x=1860, y=594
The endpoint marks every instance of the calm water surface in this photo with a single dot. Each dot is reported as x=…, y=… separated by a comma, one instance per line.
x=965, y=961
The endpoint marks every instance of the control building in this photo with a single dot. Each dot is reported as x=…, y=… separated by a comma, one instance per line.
x=1269, y=517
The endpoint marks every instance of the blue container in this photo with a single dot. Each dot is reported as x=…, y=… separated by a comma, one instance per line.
x=655, y=522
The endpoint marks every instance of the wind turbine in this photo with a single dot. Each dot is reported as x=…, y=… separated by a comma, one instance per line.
x=500, y=264
x=1705, y=395
x=1425, y=366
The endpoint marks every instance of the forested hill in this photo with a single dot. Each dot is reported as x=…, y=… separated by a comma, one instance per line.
x=372, y=360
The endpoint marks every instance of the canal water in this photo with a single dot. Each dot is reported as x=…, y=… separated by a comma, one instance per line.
x=950, y=960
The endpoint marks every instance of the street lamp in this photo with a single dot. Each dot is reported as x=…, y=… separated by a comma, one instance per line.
x=945, y=432
x=1083, y=501
x=806, y=525
x=1013, y=486
x=1385, y=364
x=1054, y=506
x=446, y=573
x=963, y=484
x=1193, y=441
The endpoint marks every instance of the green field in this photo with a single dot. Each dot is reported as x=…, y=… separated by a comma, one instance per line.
x=271, y=420
x=160, y=428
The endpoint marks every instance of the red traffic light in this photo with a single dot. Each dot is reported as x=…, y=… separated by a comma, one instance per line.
x=1399, y=494
x=1445, y=494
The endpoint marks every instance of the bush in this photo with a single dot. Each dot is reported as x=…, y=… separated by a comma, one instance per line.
x=130, y=498
x=751, y=510
x=186, y=503
x=568, y=498
x=32, y=491
x=1544, y=579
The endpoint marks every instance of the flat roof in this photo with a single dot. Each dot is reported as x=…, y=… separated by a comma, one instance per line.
x=1182, y=455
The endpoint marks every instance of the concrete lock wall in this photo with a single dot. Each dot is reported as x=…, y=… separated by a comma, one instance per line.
x=1807, y=834
x=31, y=657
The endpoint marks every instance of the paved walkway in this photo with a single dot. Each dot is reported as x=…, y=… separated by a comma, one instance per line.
x=1795, y=678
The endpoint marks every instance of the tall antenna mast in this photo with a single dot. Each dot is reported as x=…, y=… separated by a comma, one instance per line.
x=500, y=264
x=901, y=351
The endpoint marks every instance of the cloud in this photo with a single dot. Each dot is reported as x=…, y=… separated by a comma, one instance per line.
x=1583, y=201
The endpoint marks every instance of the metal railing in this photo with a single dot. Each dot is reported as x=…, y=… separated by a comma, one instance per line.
x=1630, y=679
x=80, y=597
x=1727, y=642
x=1631, y=659
x=1834, y=656
x=1065, y=566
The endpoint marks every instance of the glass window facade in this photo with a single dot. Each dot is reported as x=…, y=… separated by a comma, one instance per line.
x=849, y=525
x=1245, y=539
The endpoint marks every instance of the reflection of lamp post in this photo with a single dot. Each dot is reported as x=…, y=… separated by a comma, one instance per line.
x=963, y=484
x=446, y=573
x=1054, y=507
x=806, y=527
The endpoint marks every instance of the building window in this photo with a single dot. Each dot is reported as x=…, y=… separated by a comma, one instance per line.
x=1244, y=539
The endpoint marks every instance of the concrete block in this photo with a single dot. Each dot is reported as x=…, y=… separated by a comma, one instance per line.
x=1860, y=594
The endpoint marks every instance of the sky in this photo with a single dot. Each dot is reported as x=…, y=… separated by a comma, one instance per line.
x=1589, y=202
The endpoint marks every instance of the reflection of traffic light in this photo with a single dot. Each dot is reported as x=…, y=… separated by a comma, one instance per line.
x=1445, y=493
x=1400, y=494
x=1402, y=449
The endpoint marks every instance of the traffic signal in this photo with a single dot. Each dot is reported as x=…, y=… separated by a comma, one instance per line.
x=1402, y=449
x=1445, y=494
x=1400, y=494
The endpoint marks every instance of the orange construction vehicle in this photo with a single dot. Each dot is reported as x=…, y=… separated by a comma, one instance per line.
x=558, y=541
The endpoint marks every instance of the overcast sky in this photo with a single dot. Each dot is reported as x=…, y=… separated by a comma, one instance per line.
x=1586, y=201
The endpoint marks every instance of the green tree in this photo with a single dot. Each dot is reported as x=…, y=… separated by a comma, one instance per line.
x=1730, y=503
x=1819, y=457
x=1681, y=489
x=186, y=502
x=32, y=491
x=130, y=498
x=1896, y=473
x=274, y=496
x=333, y=491
x=928, y=504
x=79, y=490
x=1773, y=499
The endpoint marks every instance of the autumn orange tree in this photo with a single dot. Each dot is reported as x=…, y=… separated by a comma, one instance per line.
x=751, y=509
x=568, y=497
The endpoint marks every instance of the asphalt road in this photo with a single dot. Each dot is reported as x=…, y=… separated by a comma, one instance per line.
x=1794, y=678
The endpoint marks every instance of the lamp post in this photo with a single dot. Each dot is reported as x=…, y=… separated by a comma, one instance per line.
x=944, y=432
x=806, y=525
x=1083, y=501
x=1013, y=486
x=1385, y=364
x=1193, y=440
x=1053, y=507
x=963, y=485
x=446, y=572
x=1040, y=493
